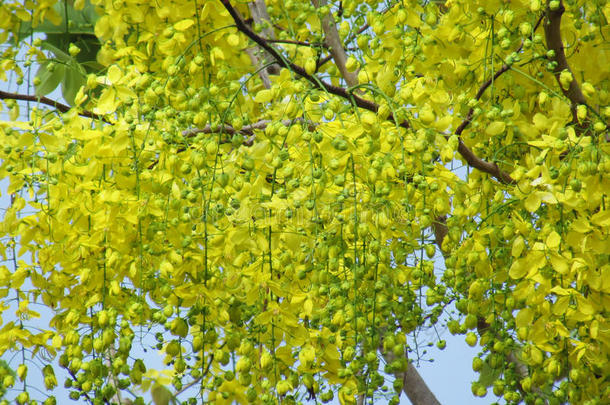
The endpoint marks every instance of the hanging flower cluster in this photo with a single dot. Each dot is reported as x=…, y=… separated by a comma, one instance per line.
x=280, y=197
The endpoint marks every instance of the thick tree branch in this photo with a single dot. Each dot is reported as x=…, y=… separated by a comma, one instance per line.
x=254, y=52
x=488, y=167
x=333, y=40
x=413, y=385
x=262, y=73
x=552, y=32
x=258, y=9
x=47, y=101
x=416, y=389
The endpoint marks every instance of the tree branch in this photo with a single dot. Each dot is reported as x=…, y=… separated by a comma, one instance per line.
x=413, y=385
x=247, y=130
x=263, y=74
x=552, y=32
x=416, y=388
x=227, y=129
x=258, y=9
x=293, y=42
x=47, y=101
x=333, y=40
x=488, y=167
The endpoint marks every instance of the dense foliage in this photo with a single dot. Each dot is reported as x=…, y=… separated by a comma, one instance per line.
x=284, y=195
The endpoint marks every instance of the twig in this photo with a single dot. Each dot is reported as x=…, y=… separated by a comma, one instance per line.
x=293, y=42
x=117, y=396
x=247, y=130
x=478, y=96
x=322, y=61
x=47, y=101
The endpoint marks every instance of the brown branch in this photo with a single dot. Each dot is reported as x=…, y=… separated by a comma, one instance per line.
x=488, y=167
x=47, y=101
x=552, y=32
x=478, y=96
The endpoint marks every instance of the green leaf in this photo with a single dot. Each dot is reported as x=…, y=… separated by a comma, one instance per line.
x=488, y=375
x=88, y=44
x=80, y=32
x=59, y=54
x=81, y=22
x=73, y=80
x=161, y=395
x=49, y=80
x=73, y=74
